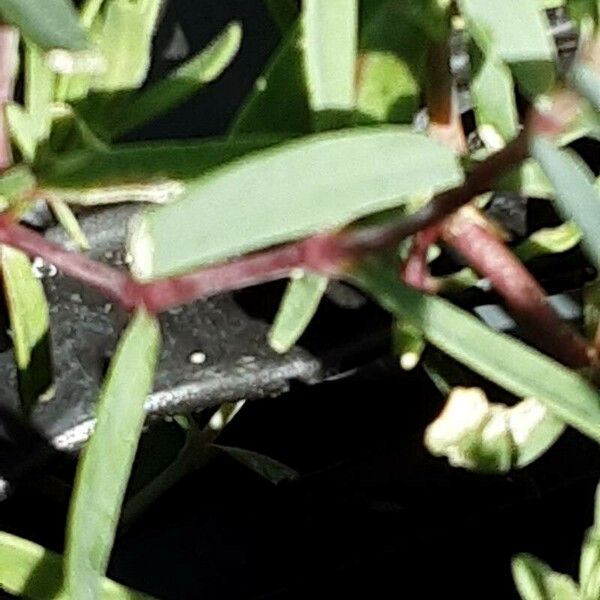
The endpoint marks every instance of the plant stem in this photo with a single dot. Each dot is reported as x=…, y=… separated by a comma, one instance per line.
x=480, y=180
x=526, y=300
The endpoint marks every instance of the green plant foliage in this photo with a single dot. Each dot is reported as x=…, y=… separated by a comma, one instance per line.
x=577, y=198
x=179, y=85
x=537, y=581
x=144, y=165
x=516, y=32
x=492, y=89
x=330, y=64
x=270, y=469
x=64, y=215
x=31, y=571
x=48, y=24
x=511, y=364
x=283, y=12
x=100, y=483
x=353, y=173
x=29, y=320
x=297, y=309
x=125, y=42
x=279, y=102
x=550, y=240
x=330, y=60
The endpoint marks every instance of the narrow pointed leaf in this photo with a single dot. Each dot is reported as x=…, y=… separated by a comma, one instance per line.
x=283, y=12
x=105, y=463
x=492, y=89
x=279, y=101
x=179, y=85
x=270, y=198
x=507, y=362
x=298, y=307
x=269, y=468
x=39, y=91
x=23, y=130
x=48, y=24
x=70, y=224
x=550, y=240
x=30, y=321
x=32, y=571
x=576, y=198
x=140, y=165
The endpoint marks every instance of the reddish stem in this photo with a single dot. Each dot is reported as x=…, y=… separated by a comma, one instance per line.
x=415, y=270
x=523, y=296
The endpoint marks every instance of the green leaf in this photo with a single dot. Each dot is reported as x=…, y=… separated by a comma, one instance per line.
x=48, y=24
x=330, y=63
x=15, y=183
x=178, y=86
x=279, y=102
x=392, y=59
x=507, y=362
x=516, y=32
x=269, y=468
x=576, y=198
x=31, y=571
x=585, y=78
x=69, y=223
x=408, y=343
x=126, y=43
x=550, y=240
x=297, y=309
x=30, y=321
x=330, y=31
x=283, y=12
x=388, y=91
x=536, y=581
x=39, y=92
x=493, y=93
x=130, y=166
x=23, y=131
x=106, y=461
x=352, y=173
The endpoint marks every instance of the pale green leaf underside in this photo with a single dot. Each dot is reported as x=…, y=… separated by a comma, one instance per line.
x=49, y=24
x=31, y=571
x=576, y=196
x=507, y=362
x=125, y=43
x=330, y=43
x=516, y=32
x=493, y=94
x=513, y=30
x=26, y=301
x=105, y=464
x=298, y=306
x=317, y=183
